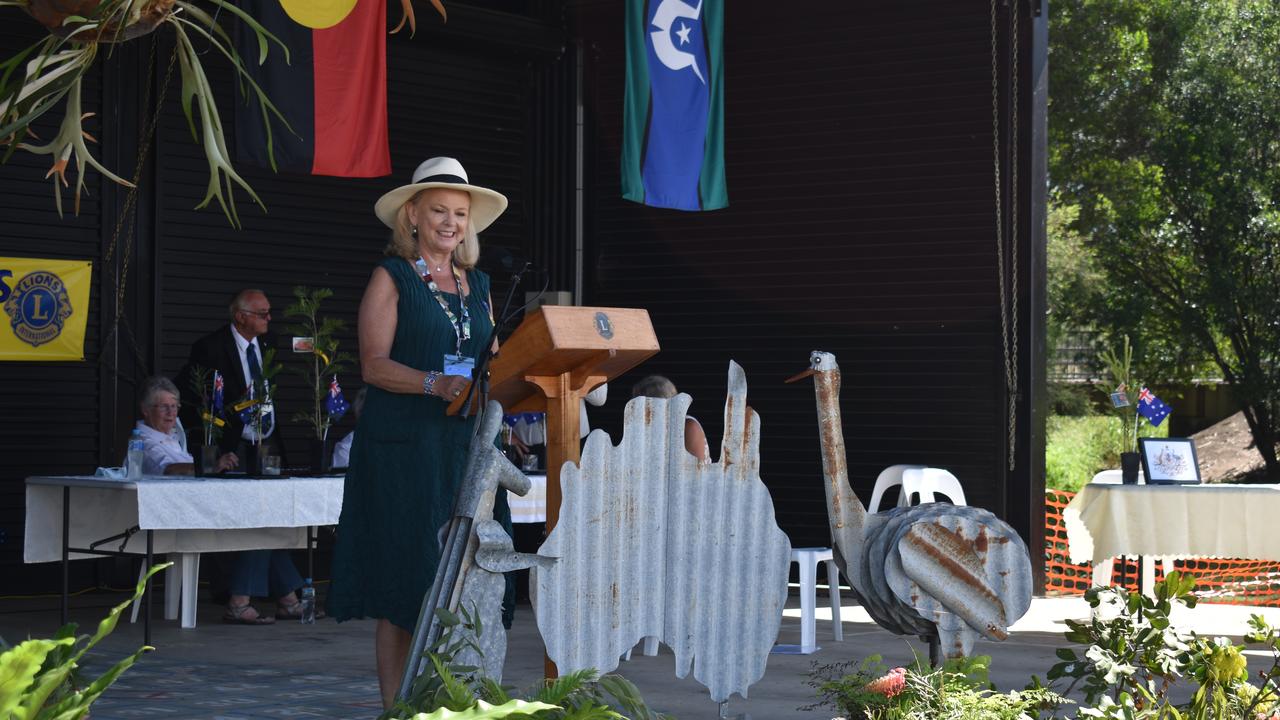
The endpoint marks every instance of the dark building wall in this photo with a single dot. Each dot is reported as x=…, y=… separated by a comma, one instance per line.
x=480, y=88
x=862, y=221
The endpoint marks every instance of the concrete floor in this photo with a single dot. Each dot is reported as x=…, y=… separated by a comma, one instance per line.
x=222, y=672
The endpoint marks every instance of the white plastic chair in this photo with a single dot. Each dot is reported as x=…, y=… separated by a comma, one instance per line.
x=889, y=477
x=920, y=484
x=808, y=559
x=924, y=483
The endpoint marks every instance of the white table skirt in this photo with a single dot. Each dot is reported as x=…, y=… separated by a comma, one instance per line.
x=186, y=514
x=1226, y=521
x=532, y=508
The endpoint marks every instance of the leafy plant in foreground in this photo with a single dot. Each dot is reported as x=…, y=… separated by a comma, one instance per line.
x=39, y=678
x=451, y=688
x=1135, y=659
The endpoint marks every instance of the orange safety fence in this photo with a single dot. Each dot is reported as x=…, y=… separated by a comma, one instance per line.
x=1218, y=580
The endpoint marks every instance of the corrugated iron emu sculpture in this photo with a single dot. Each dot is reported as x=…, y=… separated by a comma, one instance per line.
x=942, y=572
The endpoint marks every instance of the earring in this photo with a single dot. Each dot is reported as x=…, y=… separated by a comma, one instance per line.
x=414, y=231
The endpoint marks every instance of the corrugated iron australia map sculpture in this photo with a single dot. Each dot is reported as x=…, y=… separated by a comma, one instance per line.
x=946, y=573
x=653, y=543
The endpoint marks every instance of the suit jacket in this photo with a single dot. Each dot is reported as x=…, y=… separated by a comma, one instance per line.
x=217, y=351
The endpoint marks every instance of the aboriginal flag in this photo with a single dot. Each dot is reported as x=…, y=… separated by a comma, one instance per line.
x=333, y=90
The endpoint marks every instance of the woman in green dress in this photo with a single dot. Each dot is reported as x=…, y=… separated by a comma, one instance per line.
x=425, y=315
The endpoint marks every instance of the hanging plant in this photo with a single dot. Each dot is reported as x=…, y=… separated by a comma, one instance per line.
x=37, y=78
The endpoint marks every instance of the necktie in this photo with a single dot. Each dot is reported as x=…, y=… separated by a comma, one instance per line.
x=255, y=369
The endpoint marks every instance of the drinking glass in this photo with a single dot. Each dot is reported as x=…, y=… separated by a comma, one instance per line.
x=270, y=464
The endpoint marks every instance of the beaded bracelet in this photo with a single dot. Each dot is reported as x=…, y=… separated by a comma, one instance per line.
x=429, y=382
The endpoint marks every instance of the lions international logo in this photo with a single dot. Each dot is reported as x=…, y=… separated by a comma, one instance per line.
x=38, y=308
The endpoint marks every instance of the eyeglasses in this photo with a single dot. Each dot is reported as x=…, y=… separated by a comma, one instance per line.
x=166, y=407
x=264, y=314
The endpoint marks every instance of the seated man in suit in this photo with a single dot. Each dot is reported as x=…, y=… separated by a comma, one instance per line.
x=235, y=351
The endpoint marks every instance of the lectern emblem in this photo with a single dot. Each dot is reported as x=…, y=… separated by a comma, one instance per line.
x=603, y=326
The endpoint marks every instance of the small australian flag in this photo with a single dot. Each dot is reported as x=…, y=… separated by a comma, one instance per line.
x=1152, y=408
x=336, y=405
x=217, y=393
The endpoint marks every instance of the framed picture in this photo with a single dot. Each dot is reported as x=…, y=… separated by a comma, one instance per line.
x=1169, y=461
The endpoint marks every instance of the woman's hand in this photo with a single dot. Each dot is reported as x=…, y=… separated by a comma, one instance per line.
x=522, y=450
x=227, y=462
x=449, y=387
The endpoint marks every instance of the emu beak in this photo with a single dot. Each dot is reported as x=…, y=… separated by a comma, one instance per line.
x=801, y=376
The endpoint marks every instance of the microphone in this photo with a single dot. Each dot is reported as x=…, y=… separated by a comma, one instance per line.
x=504, y=260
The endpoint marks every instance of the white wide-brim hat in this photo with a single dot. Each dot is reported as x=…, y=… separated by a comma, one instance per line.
x=443, y=172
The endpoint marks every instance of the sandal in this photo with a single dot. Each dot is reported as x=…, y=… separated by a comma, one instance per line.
x=235, y=616
x=293, y=611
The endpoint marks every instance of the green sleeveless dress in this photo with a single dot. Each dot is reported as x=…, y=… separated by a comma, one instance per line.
x=407, y=462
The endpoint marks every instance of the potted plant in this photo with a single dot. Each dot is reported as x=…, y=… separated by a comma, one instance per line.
x=1120, y=379
x=321, y=368
x=207, y=385
x=257, y=411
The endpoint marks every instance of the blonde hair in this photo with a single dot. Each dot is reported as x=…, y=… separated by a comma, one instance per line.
x=404, y=245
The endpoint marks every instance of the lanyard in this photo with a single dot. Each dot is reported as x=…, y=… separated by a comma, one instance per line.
x=461, y=326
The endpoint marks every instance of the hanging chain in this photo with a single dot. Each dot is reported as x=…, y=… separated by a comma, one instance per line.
x=146, y=134
x=1011, y=365
x=1008, y=311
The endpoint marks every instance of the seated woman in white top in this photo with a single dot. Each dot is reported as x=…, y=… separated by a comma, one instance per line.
x=164, y=454
x=695, y=439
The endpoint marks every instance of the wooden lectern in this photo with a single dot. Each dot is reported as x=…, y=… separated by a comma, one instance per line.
x=557, y=355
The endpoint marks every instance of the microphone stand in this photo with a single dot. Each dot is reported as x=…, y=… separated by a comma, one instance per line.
x=480, y=376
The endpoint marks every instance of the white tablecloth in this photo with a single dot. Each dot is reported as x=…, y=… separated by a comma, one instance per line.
x=532, y=508
x=1229, y=521
x=187, y=514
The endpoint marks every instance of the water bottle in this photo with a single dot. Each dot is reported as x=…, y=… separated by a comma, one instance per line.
x=137, y=450
x=308, y=600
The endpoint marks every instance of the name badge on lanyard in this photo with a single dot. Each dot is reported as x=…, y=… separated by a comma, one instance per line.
x=456, y=363
x=459, y=365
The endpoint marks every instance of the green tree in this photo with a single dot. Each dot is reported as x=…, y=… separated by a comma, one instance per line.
x=1164, y=133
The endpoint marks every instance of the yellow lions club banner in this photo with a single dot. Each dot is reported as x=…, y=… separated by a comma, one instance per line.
x=46, y=306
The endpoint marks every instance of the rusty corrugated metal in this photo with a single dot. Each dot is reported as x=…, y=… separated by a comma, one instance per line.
x=940, y=571
x=653, y=543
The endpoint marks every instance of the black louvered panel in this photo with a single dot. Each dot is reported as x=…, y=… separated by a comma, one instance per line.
x=321, y=231
x=861, y=221
x=551, y=171
x=48, y=411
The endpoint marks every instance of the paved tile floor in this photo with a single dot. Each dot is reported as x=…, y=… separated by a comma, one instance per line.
x=288, y=670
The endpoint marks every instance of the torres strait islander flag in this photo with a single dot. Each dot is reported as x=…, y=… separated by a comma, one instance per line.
x=333, y=90
x=673, y=109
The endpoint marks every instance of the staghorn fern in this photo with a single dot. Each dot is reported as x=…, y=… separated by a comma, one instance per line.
x=37, y=78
